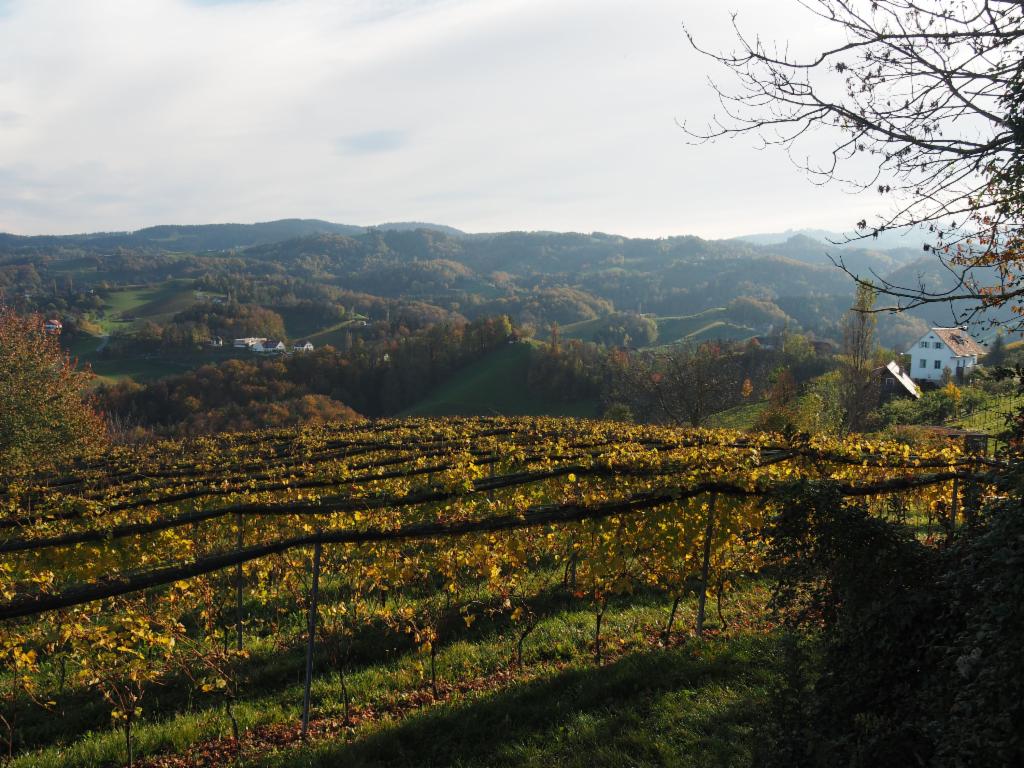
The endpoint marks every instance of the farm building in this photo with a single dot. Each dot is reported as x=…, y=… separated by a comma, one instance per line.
x=943, y=348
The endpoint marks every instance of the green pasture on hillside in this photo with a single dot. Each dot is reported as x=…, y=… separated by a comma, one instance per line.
x=124, y=308
x=494, y=385
x=709, y=325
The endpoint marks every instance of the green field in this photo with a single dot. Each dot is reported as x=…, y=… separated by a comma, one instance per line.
x=124, y=308
x=334, y=336
x=708, y=325
x=702, y=326
x=145, y=368
x=496, y=385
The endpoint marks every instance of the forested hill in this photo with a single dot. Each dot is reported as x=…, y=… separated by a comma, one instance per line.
x=488, y=247
x=534, y=277
x=208, y=237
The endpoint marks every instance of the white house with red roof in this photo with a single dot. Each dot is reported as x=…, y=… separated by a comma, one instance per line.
x=942, y=348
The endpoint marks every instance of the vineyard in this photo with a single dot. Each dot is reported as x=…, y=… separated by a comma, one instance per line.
x=161, y=568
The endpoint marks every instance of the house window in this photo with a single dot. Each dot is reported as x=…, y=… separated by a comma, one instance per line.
x=924, y=363
x=938, y=365
x=937, y=345
x=924, y=345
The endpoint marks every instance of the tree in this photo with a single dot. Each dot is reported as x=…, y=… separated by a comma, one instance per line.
x=44, y=419
x=780, y=414
x=859, y=384
x=685, y=385
x=996, y=355
x=931, y=94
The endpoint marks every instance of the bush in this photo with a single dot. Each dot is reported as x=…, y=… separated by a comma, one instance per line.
x=921, y=660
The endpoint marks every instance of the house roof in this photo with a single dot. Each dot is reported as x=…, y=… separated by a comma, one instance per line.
x=901, y=376
x=959, y=341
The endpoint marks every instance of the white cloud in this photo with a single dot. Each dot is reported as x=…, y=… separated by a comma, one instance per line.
x=483, y=114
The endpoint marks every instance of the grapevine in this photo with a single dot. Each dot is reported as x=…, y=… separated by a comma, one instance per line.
x=123, y=572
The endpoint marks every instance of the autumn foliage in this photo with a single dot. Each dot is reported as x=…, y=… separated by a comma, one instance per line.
x=44, y=417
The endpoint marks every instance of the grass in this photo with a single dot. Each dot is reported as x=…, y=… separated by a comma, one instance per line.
x=693, y=703
x=157, y=303
x=703, y=326
x=992, y=418
x=140, y=369
x=301, y=323
x=687, y=707
x=147, y=367
x=497, y=384
x=335, y=335
x=710, y=324
x=742, y=417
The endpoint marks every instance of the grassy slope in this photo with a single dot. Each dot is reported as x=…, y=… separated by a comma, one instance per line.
x=335, y=335
x=145, y=368
x=691, y=704
x=158, y=303
x=299, y=324
x=992, y=418
x=495, y=385
x=703, y=326
x=741, y=417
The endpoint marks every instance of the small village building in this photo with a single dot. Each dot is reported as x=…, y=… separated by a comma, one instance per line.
x=943, y=348
x=216, y=341
x=53, y=327
x=895, y=382
x=269, y=347
x=248, y=342
x=303, y=346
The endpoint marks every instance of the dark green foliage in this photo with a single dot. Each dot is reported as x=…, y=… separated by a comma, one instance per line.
x=921, y=660
x=996, y=355
x=229, y=320
x=626, y=330
x=935, y=406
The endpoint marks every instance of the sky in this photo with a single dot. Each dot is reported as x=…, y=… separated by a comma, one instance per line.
x=486, y=115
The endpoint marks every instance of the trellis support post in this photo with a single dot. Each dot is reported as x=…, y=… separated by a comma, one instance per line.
x=310, y=636
x=702, y=598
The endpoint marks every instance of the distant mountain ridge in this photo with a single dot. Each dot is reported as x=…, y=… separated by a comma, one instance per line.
x=215, y=237
x=913, y=240
x=810, y=246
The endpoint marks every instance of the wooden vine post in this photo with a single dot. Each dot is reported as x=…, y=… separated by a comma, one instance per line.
x=310, y=636
x=239, y=542
x=953, y=510
x=705, y=567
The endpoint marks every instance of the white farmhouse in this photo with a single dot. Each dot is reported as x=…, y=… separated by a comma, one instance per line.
x=943, y=348
x=268, y=347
